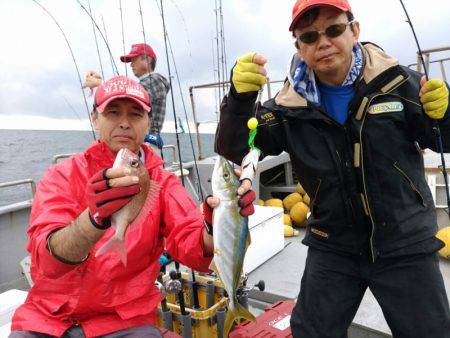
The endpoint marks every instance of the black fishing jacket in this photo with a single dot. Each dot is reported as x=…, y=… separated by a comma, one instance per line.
x=365, y=178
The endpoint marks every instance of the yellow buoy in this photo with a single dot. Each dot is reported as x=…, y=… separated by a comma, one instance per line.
x=287, y=220
x=298, y=213
x=444, y=236
x=291, y=199
x=289, y=231
x=274, y=202
x=252, y=123
x=300, y=189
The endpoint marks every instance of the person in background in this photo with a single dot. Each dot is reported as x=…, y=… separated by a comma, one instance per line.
x=142, y=60
x=353, y=121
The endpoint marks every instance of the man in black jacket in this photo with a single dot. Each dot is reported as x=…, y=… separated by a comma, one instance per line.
x=353, y=121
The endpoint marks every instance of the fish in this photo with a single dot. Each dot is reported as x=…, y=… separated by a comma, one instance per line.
x=231, y=239
x=122, y=218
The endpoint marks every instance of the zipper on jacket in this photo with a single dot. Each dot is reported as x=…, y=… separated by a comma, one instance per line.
x=372, y=247
x=411, y=183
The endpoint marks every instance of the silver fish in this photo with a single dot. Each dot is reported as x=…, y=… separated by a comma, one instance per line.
x=123, y=217
x=231, y=239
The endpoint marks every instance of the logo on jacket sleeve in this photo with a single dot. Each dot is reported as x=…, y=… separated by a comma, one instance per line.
x=385, y=107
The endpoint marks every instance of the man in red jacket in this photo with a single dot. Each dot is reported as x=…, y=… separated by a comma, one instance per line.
x=77, y=294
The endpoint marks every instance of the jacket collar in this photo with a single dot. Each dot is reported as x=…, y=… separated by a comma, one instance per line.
x=99, y=152
x=376, y=62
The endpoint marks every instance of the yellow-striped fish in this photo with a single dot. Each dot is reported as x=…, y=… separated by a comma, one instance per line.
x=231, y=239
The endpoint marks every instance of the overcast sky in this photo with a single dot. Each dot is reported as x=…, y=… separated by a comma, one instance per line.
x=38, y=80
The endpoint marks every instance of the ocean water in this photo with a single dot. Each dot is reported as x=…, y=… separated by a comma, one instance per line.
x=28, y=153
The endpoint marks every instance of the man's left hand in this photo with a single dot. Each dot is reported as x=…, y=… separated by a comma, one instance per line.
x=434, y=97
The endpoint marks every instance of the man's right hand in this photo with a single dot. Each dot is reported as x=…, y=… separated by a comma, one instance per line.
x=108, y=191
x=249, y=74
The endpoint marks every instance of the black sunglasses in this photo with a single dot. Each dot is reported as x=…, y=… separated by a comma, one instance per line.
x=332, y=31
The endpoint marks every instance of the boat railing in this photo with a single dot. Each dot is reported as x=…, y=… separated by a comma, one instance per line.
x=59, y=157
x=427, y=53
x=19, y=205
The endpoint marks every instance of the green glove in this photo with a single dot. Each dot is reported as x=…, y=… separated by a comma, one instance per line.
x=434, y=97
x=249, y=74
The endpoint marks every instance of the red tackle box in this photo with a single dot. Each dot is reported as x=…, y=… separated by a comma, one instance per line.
x=273, y=323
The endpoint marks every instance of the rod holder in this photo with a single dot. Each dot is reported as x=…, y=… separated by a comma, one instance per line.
x=167, y=320
x=209, y=294
x=221, y=314
x=187, y=326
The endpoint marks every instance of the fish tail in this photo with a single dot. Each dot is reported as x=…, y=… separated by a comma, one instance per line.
x=116, y=245
x=238, y=311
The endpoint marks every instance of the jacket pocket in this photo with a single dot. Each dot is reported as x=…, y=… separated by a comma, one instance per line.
x=411, y=184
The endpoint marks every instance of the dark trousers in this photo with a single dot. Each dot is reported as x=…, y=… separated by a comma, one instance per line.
x=409, y=289
x=144, y=331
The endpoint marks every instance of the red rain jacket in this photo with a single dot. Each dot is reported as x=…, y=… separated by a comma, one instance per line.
x=101, y=294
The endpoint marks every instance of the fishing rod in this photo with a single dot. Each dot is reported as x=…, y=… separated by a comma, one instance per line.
x=106, y=37
x=166, y=38
x=200, y=191
x=217, y=90
x=224, y=54
x=436, y=129
x=147, y=59
x=143, y=33
x=96, y=42
x=171, y=93
x=101, y=34
x=123, y=36
x=74, y=61
x=219, y=68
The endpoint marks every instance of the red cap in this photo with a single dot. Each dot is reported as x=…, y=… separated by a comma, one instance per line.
x=138, y=49
x=121, y=87
x=301, y=6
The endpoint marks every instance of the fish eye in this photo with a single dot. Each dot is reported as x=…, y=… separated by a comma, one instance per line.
x=226, y=176
x=134, y=163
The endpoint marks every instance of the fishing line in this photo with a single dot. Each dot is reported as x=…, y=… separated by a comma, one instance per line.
x=96, y=43
x=143, y=33
x=74, y=61
x=171, y=93
x=187, y=35
x=176, y=129
x=106, y=36
x=148, y=63
x=70, y=106
x=200, y=191
x=436, y=129
x=101, y=34
x=123, y=37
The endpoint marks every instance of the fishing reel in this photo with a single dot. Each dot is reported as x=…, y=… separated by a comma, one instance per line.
x=173, y=285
